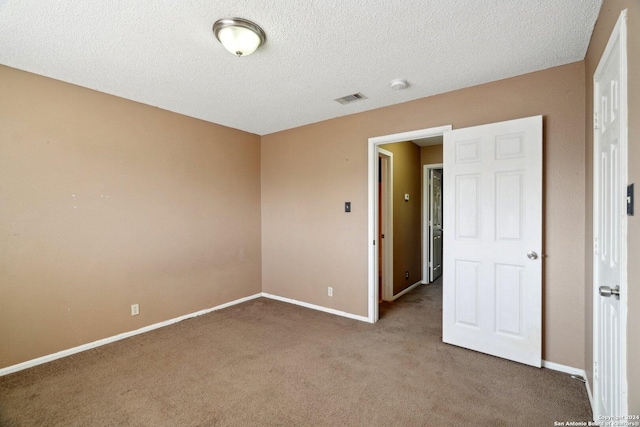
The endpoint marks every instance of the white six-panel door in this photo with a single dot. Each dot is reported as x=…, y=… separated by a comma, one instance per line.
x=492, y=276
x=609, y=227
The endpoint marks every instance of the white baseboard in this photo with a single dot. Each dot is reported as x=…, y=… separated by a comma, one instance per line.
x=409, y=289
x=586, y=383
x=68, y=352
x=572, y=371
x=317, y=307
x=563, y=368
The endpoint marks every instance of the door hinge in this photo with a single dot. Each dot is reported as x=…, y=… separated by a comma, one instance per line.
x=595, y=369
x=595, y=245
x=595, y=120
x=374, y=243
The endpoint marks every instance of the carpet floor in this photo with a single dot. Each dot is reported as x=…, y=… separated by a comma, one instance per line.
x=268, y=363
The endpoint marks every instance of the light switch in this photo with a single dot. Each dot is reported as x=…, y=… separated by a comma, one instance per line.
x=406, y=197
x=347, y=207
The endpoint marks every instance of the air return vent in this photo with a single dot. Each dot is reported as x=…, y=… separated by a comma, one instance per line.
x=351, y=98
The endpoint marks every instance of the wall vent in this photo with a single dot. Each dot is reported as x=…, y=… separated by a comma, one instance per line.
x=351, y=98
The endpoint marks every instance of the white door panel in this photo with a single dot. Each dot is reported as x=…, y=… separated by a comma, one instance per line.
x=610, y=160
x=492, y=298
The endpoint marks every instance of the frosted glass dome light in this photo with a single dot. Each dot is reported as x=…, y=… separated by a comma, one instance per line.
x=239, y=36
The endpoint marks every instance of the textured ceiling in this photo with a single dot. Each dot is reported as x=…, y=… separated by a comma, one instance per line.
x=163, y=52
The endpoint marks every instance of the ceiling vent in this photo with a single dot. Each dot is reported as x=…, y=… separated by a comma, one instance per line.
x=351, y=98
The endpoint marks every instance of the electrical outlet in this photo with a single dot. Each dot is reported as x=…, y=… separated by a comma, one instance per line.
x=406, y=275
x=135, y=309
x=330, y=291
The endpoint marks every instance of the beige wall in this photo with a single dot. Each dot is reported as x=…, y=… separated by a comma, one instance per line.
x=606, y=21
x=407, y=227
x=431, y=154
x=104, y=203
x=309, y=243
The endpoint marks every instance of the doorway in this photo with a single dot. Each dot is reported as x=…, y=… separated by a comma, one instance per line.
x=374, y=216
x=432, y=227
x=385, y=225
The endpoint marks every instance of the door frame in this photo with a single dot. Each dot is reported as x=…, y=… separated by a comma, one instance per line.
x=619, y=31
x=373, y=218
x=387, y=223
x=426, y=208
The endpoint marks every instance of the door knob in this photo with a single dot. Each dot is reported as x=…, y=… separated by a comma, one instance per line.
x=606, y=291
x=532, y=255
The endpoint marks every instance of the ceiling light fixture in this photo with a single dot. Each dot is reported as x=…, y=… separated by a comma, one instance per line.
x=399, y=84
x=239, y=36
